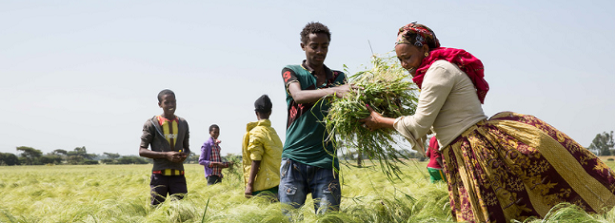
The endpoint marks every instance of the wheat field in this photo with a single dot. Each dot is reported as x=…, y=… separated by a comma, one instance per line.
x=120, y=193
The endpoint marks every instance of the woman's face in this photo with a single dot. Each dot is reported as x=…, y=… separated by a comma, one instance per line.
x=410, y=56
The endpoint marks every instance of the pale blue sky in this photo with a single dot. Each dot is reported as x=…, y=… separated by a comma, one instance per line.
x=79, y=73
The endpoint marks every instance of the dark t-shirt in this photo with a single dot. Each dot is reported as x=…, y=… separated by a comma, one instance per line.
x=305, y=130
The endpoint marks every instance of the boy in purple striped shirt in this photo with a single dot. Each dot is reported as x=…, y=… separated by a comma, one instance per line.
x=210, y=157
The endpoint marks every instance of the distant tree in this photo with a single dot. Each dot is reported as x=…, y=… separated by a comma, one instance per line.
x=108, y=161
x=112, y=155
x=8, y=159
x=80, y=151
x=74, y=159
x=60, y=152
x=193, y=158
x=79, y=155
x=89, y=162
x=30, y=155
x=50, y=159
x=93, y=156
x=603, y=144
x=131, y=160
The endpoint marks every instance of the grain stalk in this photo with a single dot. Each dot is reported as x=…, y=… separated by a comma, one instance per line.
x=387, y=88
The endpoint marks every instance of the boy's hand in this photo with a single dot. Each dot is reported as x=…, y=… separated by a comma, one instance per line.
x=340, y=91
x=226, y=164
x=175, y=157
x=248, y=192
x=220, y=164
x=184, y=156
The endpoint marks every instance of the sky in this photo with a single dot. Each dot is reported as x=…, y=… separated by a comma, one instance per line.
x=87, y=73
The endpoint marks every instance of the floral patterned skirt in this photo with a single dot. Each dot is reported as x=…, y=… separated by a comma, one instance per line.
x=514, y=166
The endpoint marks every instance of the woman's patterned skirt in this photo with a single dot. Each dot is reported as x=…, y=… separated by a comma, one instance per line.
x=514, y=166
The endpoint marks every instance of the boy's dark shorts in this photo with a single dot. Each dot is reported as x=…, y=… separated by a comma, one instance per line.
x=213, y=179
x=162, y=185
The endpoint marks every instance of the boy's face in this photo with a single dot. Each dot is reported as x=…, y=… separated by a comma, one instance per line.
x=168, y=104
x=316, y=48
x=215, y=133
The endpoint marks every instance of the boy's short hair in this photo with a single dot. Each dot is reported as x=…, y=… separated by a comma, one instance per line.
x=263, y=104
x=163, y=93
x=314, y=27
x=214, y=126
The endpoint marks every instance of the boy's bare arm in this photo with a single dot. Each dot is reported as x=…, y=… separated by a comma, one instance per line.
x=171, y=156
x=309, y=96
x=256, y=165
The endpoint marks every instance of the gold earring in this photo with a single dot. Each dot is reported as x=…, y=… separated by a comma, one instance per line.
x=426, y=54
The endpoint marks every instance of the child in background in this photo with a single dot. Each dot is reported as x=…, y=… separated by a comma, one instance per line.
x=210, y=157
x=168, y=137
x=262, y=152
x=434, y=167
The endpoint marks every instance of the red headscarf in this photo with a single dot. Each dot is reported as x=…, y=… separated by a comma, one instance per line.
x=469, y=64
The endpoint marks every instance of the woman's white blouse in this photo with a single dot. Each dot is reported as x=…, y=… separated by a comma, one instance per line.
x=448, y=105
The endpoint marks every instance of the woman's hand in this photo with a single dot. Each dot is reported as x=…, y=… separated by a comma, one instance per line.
x=376, y=121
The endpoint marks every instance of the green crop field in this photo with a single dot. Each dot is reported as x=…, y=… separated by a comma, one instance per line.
x=120, y=193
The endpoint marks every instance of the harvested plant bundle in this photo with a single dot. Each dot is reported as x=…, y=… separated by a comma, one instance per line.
x=387, y=88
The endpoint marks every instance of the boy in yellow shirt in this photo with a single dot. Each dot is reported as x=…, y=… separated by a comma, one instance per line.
x=262, y=152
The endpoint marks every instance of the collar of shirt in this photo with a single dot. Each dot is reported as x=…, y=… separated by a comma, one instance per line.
x=328, y=71
x=264, y=122
x=162, y=119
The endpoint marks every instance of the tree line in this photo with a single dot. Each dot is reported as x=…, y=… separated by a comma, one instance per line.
x=79, y=156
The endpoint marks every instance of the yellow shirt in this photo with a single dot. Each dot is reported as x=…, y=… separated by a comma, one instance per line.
x=261, y=142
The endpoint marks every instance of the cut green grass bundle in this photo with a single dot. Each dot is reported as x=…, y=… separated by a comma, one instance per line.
x=387, y=88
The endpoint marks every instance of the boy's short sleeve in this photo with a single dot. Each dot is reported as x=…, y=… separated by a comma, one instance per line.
x=255, y=147
x=289, y=77
x=341, y=77
x=147, y=136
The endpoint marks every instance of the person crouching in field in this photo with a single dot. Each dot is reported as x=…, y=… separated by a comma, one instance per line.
x=168, y=137
x=210, y=157
x=262, y=152
x=434, y=167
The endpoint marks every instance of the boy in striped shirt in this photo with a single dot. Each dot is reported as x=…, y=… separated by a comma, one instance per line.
x=167, y=135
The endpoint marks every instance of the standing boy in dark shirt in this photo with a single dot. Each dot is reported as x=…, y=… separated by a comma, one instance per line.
x=168, y=137
x=308, y=161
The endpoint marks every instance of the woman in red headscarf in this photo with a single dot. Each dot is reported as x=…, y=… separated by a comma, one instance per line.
x=509, y=166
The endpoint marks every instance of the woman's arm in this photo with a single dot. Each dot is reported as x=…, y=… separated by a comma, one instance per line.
x=437, y=84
